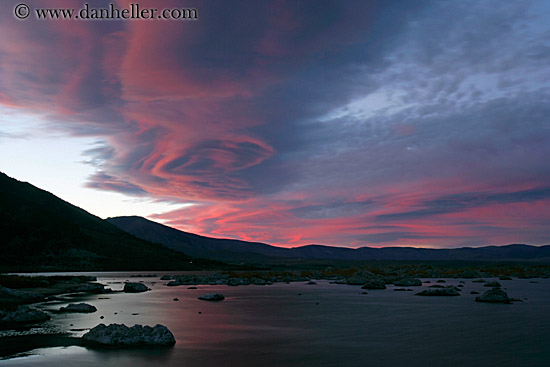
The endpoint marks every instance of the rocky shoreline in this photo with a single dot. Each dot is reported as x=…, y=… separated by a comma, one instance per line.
x=21, y=320
x=18, y=311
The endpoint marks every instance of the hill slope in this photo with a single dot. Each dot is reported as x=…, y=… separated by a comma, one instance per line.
x=195, y=245
x=225, y=249
x=41, y=232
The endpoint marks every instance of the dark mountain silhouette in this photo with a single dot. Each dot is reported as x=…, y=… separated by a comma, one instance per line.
x=41, y=232
x=195, y=245
x=235, y=250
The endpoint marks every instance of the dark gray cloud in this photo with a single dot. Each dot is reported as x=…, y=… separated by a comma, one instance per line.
x=334, y=209
x=104, y=181
x=459, y=202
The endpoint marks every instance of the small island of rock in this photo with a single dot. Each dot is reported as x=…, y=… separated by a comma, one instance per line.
x=122, y=336
x=135, y=287
x=212, y=297
x=78, y=307
x=495, y=295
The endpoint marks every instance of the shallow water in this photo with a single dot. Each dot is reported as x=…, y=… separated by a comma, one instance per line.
x=314, y=325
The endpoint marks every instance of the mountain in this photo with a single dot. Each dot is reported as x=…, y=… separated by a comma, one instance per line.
x=41, y=232
x=235, y=250
x=195, y=245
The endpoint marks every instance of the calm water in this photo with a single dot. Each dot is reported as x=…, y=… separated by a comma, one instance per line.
x=315, y=325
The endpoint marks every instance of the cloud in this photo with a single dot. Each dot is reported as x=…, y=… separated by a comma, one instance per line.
x=383, y=237
x=103, y=181
x=460, y=202
x=298, y=122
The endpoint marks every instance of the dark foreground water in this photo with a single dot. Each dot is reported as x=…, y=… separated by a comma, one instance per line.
x=315, y=325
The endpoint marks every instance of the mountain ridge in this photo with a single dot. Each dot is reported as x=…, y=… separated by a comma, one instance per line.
x=41, y=232
x=231, y=249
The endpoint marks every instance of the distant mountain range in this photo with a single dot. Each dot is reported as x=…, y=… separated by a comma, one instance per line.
x=235, y=250
x=41, y=232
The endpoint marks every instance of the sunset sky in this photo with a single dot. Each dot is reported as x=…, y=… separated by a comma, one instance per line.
x=347, y=123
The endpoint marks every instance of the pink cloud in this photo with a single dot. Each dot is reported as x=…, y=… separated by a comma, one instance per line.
x=193, y=114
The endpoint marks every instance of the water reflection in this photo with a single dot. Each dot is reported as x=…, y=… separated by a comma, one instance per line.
x=321, y=325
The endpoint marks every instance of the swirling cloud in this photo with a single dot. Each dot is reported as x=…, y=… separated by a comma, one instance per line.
x=343, y=123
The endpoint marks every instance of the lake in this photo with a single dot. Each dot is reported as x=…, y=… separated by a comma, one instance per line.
x=313, y=325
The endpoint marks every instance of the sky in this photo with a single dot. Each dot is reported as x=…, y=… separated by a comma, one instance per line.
x=344, y=123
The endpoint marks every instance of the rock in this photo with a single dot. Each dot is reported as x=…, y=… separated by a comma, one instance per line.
x=119, y=335
x=408, y=282
x=478, y=281
x=360, y=277
x=492, y=284
x=258, y=281
x=233, y=282
x=165, y=277
x=176, y=299
x=212, y=297
x=23, y=315
x=441, y=281
x=90, y=288
x=22, y=296
x=504, y=277
x=470, y=274
x=135, y=287
x=439, y=292
x=474, y=292
x=438, y=286
x=311, y=282
x=374, y=284
x=192, y=288
x=495, y=295
x=244, y=281
x=78, y=307
x=84, y=278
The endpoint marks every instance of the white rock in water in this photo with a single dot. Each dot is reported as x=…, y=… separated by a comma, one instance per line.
x=212, y=297
x=78, y=307
x=135, y=287
x=120, y=335
x=23, y=315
